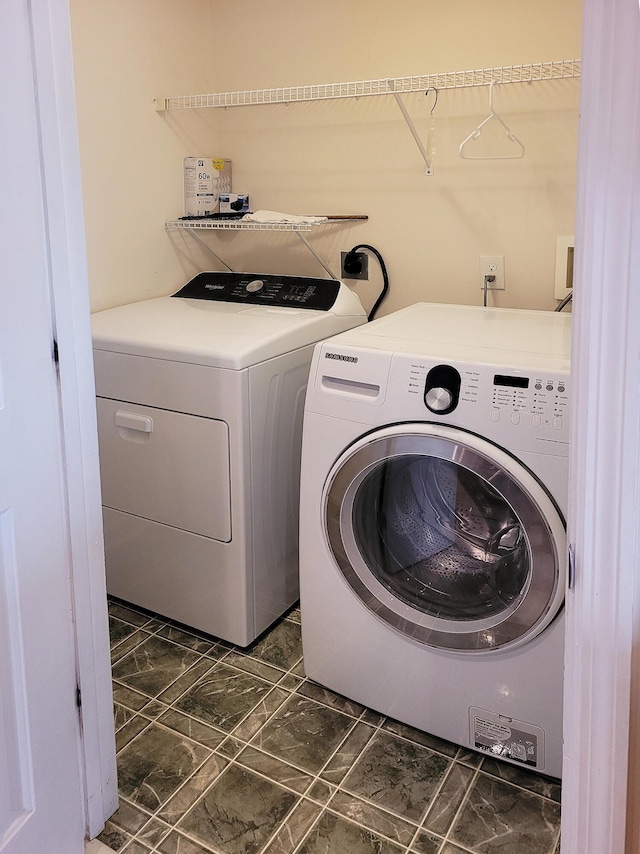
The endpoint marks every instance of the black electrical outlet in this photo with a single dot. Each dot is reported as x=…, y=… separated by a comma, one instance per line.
x=354, y=265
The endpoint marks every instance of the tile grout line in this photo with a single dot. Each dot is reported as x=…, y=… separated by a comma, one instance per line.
x=421, y=824
x=521, y=788
x=463, y=802
x=147, y=635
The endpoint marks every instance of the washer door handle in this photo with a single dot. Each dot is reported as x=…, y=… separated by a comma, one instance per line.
x=572, y=567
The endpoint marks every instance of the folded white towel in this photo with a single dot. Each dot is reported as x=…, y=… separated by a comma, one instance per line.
x=275, y=216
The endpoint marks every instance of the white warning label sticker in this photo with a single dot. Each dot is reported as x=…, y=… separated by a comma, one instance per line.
x=504, y=740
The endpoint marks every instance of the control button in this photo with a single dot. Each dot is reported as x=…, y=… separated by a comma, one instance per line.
x=538, y=386
x=255, y=285
x=515, y=417
x=557, y=423
x=495, y=415
x=560, y=388
x=536, y=420
x=549, y=386
x=438, y=399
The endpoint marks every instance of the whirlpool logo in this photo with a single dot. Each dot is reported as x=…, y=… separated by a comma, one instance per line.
x=341, y=357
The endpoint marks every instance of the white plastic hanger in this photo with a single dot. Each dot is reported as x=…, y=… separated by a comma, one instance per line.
x=477, y=131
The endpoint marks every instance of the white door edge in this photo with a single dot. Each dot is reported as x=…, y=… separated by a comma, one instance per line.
x=599, y=801
x=54, y=73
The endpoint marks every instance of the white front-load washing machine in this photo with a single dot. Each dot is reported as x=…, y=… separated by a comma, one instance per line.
x=432, y=534
x=200, y=399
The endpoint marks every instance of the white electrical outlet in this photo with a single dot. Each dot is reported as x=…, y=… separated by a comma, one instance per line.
x=492, y=266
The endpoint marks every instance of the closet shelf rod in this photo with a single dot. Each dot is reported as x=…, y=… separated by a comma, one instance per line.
x=530, y=73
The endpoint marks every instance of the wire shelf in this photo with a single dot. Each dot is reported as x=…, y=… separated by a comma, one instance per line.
x=241, y=225
x=536, y=71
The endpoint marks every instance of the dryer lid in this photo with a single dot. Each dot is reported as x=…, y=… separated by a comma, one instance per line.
x=231, y=334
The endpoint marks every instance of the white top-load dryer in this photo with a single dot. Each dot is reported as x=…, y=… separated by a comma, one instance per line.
x=200, y=400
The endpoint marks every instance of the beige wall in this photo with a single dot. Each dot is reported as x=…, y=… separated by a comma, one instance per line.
x=125, y=54
x=327, y=157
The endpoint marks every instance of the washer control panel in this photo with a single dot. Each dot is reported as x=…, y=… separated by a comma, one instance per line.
x=519, y=408
x=489, y=399
x=263, y=289
x=538, y=399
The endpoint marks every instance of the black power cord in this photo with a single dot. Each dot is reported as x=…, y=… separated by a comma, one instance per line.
x=355, y=265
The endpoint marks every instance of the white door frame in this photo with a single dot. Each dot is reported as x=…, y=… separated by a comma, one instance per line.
x=602, y=607
x=61, y=167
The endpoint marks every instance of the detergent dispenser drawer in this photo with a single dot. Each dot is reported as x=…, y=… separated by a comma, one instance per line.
x=166, y=466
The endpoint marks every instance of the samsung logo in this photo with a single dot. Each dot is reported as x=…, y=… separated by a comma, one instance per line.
x=340, y=357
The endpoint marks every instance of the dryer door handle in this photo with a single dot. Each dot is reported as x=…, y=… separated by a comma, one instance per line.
x=143, y=423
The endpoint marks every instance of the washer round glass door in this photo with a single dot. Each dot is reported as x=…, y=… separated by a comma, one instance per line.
x=446, y=537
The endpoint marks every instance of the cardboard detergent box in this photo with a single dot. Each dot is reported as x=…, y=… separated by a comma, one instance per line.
x=204, y=179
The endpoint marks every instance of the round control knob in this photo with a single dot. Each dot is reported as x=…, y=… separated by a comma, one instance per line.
x=442, y=389
x=255, y=285
x=438, y=399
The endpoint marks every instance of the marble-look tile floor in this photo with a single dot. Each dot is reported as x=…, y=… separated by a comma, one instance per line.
x=229, y=751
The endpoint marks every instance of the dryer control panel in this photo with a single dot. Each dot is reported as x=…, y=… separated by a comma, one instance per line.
x=263, y=289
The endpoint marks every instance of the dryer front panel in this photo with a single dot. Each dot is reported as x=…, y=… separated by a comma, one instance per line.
x=446, y=537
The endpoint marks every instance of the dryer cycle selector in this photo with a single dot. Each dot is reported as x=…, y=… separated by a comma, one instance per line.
x=255, y=286
x=442, y=389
